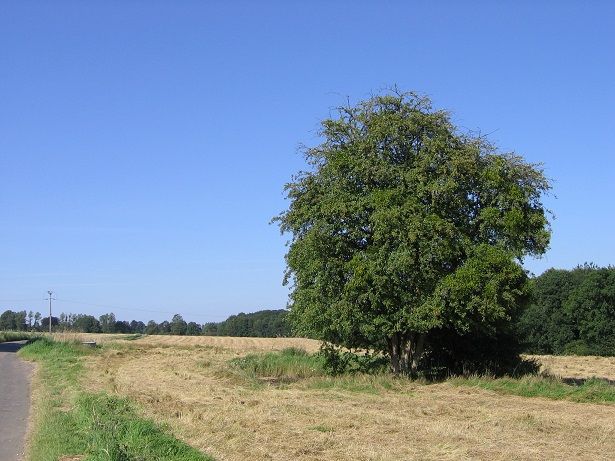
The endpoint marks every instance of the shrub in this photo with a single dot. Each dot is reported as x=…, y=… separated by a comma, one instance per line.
x=338, y=361
x=287, y=365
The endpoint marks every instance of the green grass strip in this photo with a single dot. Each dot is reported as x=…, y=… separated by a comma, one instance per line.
x=288, y=365
x=14, y=336
x=113, y=431
x=92, y=427
x=591, y=390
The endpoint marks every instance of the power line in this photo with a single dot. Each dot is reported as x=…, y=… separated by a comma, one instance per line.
x=106, y=306
x=20, y=300
x=138, y=310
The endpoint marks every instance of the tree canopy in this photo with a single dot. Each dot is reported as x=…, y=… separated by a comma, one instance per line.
x=572, y=312
x=263, y=324
x=14, y=321
x=403, y=227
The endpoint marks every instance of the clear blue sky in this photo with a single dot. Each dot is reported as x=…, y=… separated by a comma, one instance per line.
x=144, y=145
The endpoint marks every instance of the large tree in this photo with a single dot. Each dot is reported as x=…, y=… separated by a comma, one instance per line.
x=178, y=325
x=404, y=226
x=107, y=323
x=86, y=324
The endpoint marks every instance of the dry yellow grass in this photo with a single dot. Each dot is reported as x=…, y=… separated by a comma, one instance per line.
x=235, y=344
x=577, y=367
x=205, y=404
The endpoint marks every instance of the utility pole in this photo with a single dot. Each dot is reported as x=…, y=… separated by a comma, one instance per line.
x=50, y=298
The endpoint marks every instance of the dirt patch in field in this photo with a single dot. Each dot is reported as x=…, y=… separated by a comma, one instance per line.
x=189, y=385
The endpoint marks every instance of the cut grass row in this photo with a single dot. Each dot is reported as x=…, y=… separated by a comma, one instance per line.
x=72, y=424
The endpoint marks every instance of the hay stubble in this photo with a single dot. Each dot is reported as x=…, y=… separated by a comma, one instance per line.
x=188, y=385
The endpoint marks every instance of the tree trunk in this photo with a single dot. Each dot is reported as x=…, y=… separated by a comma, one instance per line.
x=418, y=352
x=406, y=350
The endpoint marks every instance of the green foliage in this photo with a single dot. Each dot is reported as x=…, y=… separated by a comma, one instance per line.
x=339, y=361
x=151, y=328
x=107, y=323
x=261, y=324
x=89, y=324
x=210, y=329
x=55, y=321
x=405, y=226
x=13, y=321
x=137, y=326
x=178, y=325
x=193, y=329
x=264, y=324
x=572, y=312
x=292, y=365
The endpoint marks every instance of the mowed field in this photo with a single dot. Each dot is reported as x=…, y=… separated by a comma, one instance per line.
x=187, y=383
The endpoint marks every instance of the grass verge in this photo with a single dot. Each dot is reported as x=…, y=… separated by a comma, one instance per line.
x=14, y=335
x=72, y=424
x=591, y=390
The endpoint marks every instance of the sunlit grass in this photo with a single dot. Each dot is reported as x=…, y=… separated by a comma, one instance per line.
x=589, y=391
x=288, y=365
x=72, y=424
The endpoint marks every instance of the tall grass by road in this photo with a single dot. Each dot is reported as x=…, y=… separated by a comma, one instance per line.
x=72, y=424
x=14, y=336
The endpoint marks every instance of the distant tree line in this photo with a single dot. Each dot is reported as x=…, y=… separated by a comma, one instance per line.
x=572, y=312
x=266, y=324
x=262, y=324
x=22, y=321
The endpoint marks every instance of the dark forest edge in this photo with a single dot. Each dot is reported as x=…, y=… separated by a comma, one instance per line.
x=572, y=312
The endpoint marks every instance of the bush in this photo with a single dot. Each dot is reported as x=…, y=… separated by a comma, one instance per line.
x=287, y=365
x=339, y=362
x=13, y=336
x=578, y=347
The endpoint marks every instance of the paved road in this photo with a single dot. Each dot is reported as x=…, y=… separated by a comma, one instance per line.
x=14, y=401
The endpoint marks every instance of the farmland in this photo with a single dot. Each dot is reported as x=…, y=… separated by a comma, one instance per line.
x=188, y=384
